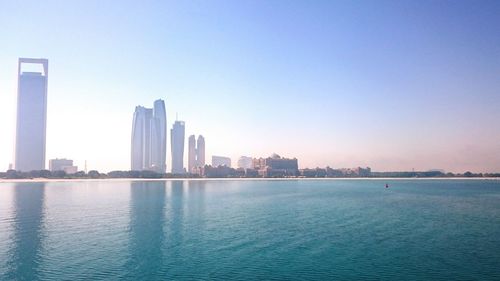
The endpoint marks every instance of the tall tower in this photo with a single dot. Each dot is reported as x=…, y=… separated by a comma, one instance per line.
x=149, y=138
x=200, y=151
x=177, y=144
x=196, y=153
x=141, y=138
x=191, y=153
x=159, y=137
x=31, y=116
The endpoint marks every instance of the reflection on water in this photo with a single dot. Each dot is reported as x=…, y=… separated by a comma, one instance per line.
x=147, y=219
x=158, y=227
x=176, y=212
x=24, y=258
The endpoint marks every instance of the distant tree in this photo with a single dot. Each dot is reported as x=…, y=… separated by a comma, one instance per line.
x=93, y=174
x=134, y=174
x=35, y=174
x=150, y=174
x=40, y=174
x=118, y=174
x=13, y=174
x=468, y=174
x=59, y=174
x=45, y=174
x=79, y=174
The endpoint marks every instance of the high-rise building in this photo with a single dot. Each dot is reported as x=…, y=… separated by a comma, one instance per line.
x=31, y=116
x=200, y=151
x=149, y=138
x=196, y=153
x=221, y=161
x=159, y=137
x=177, y=144
x=141, y=138
x=191, y=153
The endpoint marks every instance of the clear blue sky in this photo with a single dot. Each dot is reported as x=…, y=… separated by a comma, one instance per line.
x=394, y=85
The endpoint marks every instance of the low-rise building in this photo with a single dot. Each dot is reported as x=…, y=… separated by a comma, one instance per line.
x=313, y=173
x=63, y=164
x=276, y=166
x=251, y=173
x=245, y=162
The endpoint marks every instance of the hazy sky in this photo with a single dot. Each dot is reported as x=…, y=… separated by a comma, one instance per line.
x=393, y=85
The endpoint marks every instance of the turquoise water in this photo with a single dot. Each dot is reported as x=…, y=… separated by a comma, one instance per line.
x=250, y=230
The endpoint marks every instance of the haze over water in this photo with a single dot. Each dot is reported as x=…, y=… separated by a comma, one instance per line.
x=250, y=230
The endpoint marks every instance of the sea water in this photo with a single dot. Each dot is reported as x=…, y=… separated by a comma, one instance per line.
x=250, y=230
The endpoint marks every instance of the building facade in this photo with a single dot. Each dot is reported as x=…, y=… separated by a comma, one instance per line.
x=149, y=138
x=177, y=134
x=31, y=120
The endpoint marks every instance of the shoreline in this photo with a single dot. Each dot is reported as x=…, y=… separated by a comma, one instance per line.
x=236, y=179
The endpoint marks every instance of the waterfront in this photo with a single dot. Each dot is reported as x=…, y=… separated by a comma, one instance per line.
x=250, y=230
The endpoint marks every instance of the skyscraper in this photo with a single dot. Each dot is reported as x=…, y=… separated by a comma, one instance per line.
x=191, y=153
x=159, y=153
x=200, y=151
x=141, y=138
x=177, y=144
x=149, y=140
x=31, y=116
x=196, y=153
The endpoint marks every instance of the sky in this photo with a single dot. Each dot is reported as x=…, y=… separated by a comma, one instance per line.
x=393, y=85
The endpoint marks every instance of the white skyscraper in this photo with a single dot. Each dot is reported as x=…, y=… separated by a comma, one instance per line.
x=31, y=117
x=149, y=140
x=200, y=151
x=159, y=143
x=191, y=153
x=177, y=144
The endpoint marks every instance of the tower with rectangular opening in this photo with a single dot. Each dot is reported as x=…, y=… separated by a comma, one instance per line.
x=31, y=120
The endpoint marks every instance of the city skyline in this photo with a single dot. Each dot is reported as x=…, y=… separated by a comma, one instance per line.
x=332, y=83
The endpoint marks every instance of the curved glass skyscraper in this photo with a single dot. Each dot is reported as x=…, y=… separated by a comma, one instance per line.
x=159, y=142
x=149, y=138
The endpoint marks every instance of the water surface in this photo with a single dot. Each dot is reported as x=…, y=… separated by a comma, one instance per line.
x=250, y=230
